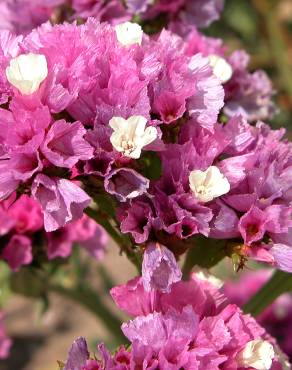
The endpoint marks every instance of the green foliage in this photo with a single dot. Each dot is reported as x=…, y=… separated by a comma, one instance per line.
x=151, y=165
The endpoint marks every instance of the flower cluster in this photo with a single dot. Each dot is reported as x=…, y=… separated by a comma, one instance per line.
x=276, y=319
x=232, y=183
x=85, y=118
x=52, y=132
x=129, y=114
x=189, y=326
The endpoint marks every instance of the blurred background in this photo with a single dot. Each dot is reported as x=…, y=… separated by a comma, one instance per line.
x=264, y=29
x=43, y=329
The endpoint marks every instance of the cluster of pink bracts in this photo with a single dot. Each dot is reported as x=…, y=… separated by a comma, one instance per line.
x=93, y=107
x=180, y=325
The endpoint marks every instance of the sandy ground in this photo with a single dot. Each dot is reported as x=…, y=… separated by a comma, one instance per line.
x=39, y=343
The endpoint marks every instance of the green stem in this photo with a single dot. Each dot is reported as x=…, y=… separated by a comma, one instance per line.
x=122, y=240
x=280, y=282
x=88, y=298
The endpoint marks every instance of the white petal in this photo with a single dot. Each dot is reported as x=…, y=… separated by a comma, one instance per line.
x=115, y=140
x=129, y=33
x=150, y=135
x=209, y=184
x=257, y=354
x=221, y=68
x=137, y=125
x=117, y=123
x=136, y=153
x=27, y=71
x=196, y=178
x=221, y=188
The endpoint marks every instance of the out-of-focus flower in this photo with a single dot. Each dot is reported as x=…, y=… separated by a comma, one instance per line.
x=221, y=68
x=129, y=33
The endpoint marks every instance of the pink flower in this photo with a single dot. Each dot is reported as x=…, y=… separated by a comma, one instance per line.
x=18, y=252
x=183, y=332
x=27, y=215
x=64, y=144
x=276, y=319
x=61, y=200
x=85, y=232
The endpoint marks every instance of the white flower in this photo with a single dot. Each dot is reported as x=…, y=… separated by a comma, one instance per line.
x=257, y=354
x=209, y=184
x=204, y=275
x=129, y=33
x=221, y=68
x=27, y=71
x=130, y=136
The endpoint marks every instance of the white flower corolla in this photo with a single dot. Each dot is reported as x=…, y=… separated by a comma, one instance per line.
x=129, y=33
x=258, y=354
x=204, y=275
x=27, y=71
x=131, y=135
x=221, y=68
x=209, y=184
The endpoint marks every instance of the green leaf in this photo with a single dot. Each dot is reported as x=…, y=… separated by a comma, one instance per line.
x=280, y=282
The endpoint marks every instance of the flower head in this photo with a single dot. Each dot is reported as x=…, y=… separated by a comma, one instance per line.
x=130, y=136
x=27, y=71
x=209, y=184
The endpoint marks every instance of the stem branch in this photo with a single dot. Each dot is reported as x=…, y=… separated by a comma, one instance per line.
x=280, y=282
